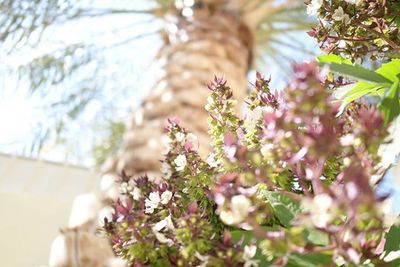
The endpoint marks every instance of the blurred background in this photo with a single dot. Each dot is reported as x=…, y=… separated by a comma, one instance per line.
x=71, y=74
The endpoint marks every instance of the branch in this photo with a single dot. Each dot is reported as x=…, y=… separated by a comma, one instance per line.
x=254, y=17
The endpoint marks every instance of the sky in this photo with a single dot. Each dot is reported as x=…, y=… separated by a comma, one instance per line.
x=125, y=68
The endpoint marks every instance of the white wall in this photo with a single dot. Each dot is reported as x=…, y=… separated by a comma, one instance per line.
x=35, y=201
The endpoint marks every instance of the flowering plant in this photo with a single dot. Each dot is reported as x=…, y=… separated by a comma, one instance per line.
x=357, y=27
x=290, y=184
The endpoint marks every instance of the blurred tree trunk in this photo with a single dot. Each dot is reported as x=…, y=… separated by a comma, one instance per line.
x=196, y=49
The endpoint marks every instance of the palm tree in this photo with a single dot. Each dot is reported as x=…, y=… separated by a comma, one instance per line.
x=202, y=38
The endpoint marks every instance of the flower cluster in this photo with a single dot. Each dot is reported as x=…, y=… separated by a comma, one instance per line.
x=357, y=28
x=293, y=187
x=172, y=222
x=309, y=160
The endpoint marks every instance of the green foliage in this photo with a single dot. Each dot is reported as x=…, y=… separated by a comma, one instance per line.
x=316, y=237
x=390, y=105
x=310, y=260
x=383, y=83
x=355, y=71
x=284, y=208
x=108, y=146
x=393, y=239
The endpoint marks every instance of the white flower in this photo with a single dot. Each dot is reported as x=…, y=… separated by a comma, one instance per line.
x=353, y=255
x=248, y=254
x=136, y=193
x=203, y=259
x=124, y=188
x=165, y=223
x=342, y=44
x=314, y=6
x=320, y=208
x=211, y=161
x=163, y=239
x=166, y=197
x=180, y=162
x=229, y=151
x=239, y=209
x=152, y=202
x=339, y=15
x=210, y=102
x=180, y=136
x=392, y=255
x=354, y=2
x=265, y=149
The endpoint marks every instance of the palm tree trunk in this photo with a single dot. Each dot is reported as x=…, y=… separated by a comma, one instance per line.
x=195, y=50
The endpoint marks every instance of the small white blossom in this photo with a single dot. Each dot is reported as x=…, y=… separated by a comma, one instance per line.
x=166, y=197
x=248, y=255
x=320, y=208
x=163, y=239
x=347, y=140
x=127, y=187
x=339, y=15
x=229, y=151
x=314, y=6
x=203, y=259
x=136, y=193
x=392, y=255
x=165, y=223
x=210, y=102
x=123, y=188
x=342, y=44
x=354, y=2
x=152, y=202
x=180, y=162
x=211, y=161
x=354, y=255
x=239, y=209
x=265, y=149
x=180, y=136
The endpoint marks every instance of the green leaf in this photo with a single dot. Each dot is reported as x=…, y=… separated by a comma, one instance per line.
x=310, y=260
x=393, y=239
x=285, y=208
x=359, y=90
x=332, y=58
x=316, y=237
x=390, y=105
x=390, y=70
x=359, y=73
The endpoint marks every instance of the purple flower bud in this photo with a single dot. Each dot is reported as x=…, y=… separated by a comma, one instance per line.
x=192, y=208
x=227, y=239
